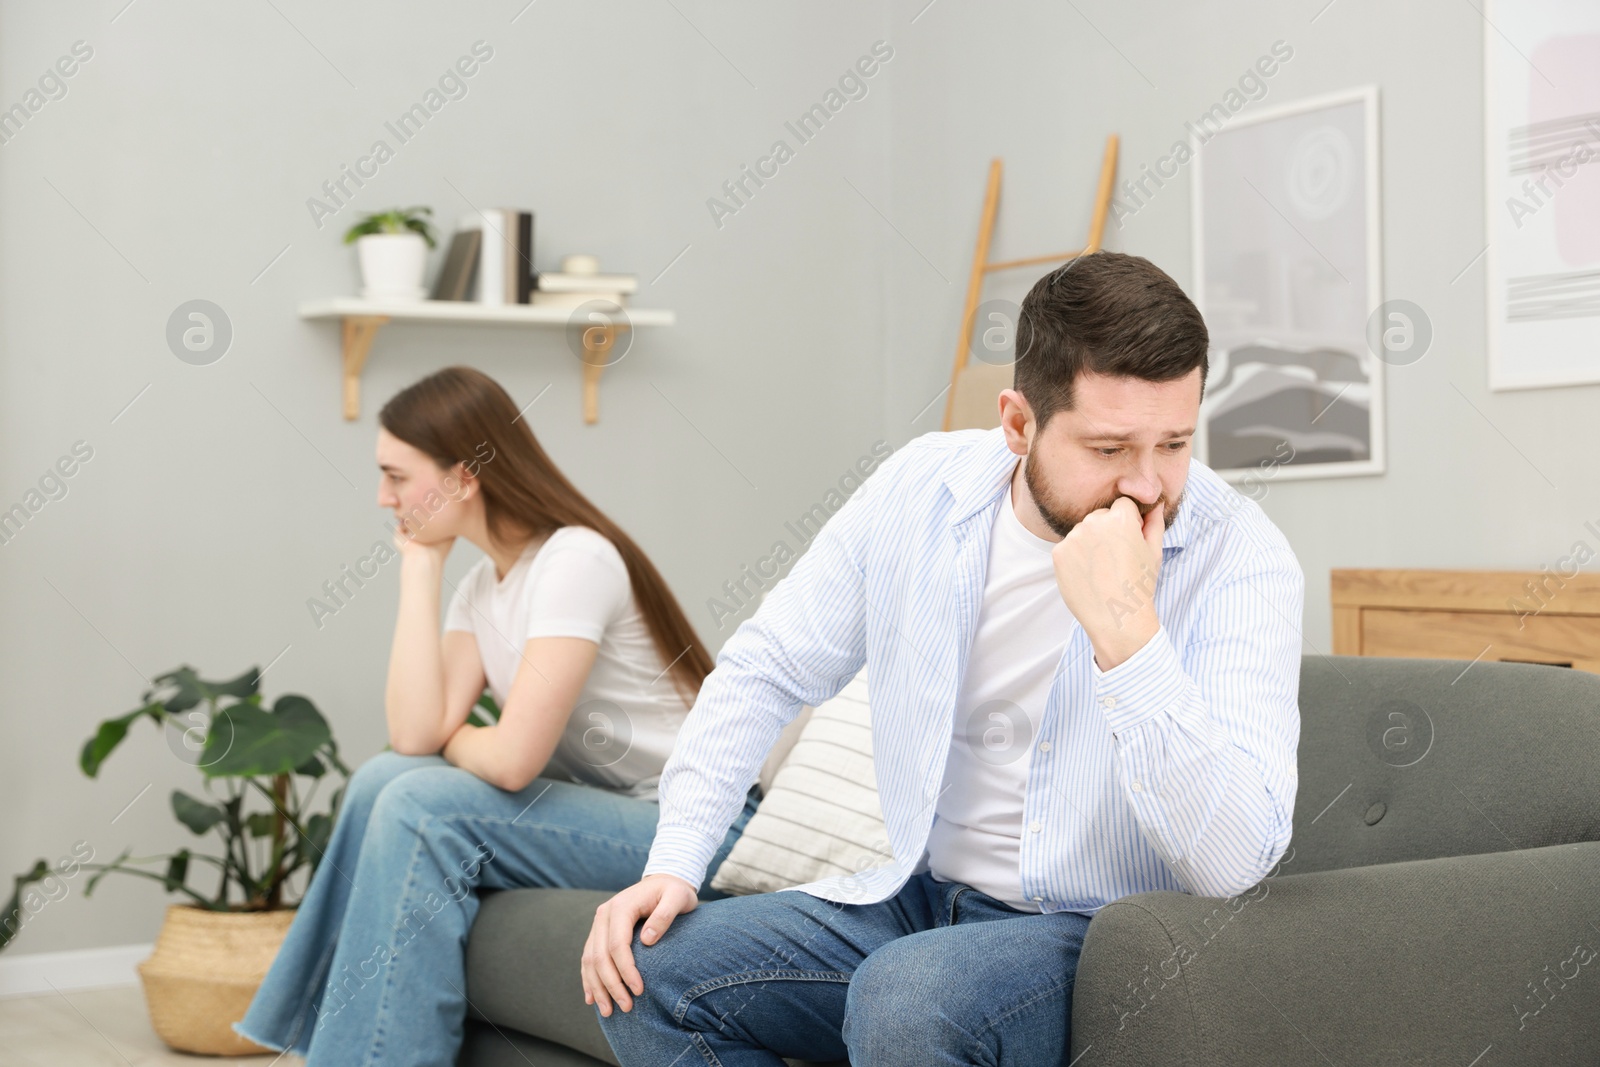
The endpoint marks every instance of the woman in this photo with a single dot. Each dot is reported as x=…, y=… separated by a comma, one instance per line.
x=593, y=665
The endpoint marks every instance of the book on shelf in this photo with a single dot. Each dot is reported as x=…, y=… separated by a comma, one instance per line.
x=504, y=272
x=460, y=267
x=576, y=299
x=560, y=282
x=523, y=268
x=490, y=224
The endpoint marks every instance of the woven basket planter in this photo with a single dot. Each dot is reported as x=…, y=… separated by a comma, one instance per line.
x=205, y=969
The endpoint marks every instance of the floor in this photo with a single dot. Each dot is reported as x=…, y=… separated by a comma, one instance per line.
x=97, y=1028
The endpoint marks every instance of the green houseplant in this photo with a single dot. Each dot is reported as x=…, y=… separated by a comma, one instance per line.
x=214, y=949
x=252, y=751
x=392, y=247
x=248, y=748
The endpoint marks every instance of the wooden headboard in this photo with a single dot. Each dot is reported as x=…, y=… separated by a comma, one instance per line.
x=1519, y=616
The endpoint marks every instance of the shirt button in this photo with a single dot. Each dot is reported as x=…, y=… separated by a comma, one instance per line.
x=1109, y=702
x=1038, y=900
x=1044, y=746
x=1138, y=787
x=1034, y=826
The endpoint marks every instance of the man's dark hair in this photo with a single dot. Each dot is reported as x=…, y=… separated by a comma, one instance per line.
x=1105, y=313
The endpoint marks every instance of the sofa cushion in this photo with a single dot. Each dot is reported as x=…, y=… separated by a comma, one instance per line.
x=523, y=960
x=1408, y=759
x=485, y=1044
x=821, y=817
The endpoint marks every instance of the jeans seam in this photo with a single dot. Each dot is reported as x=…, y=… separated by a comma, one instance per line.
x=388, y=978
x=1017, y=1009
x=695, y=992
x=587, y=835
x=705, y=1050
x=318, y=981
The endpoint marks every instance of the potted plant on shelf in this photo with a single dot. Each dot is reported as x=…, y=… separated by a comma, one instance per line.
x=213, y=951
x=392, y=247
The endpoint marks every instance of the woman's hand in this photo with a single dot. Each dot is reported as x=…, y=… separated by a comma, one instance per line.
x=410, y=548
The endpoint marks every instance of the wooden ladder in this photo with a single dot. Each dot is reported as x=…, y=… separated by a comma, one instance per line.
x=980, y=259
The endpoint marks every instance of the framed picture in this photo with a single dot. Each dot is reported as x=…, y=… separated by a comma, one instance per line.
x=1287, y=274
x=1541, y=85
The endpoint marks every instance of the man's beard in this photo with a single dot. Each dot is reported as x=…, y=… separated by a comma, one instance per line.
x=1061, y=520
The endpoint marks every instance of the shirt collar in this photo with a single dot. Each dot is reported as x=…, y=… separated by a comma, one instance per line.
x=979, y=478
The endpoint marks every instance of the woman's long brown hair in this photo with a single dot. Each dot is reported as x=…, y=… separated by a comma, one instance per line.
x=451, y=415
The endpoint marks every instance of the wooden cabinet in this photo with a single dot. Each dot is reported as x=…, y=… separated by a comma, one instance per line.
x=1518, y=616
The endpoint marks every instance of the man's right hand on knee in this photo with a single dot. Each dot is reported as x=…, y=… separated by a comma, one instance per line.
x=608, y=970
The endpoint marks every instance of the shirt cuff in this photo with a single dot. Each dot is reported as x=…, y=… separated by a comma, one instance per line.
x=1142, y=686
x=682, y=851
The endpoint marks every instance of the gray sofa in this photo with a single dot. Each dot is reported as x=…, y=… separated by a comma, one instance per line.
x=1440, y=902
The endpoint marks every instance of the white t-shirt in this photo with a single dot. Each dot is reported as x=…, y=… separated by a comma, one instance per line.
x=576, y=585
x=1023, y=628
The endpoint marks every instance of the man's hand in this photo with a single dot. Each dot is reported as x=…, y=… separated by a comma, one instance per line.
x=608, y=970
x=1106, y=569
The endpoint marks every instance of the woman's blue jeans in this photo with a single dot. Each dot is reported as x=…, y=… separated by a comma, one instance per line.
x=373, y=968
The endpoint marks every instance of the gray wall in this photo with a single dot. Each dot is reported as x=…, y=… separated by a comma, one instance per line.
x=817, y=319
x=177, y=167
x=1470, y=473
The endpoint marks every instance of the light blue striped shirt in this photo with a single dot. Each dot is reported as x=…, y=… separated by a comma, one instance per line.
x=1173, y=770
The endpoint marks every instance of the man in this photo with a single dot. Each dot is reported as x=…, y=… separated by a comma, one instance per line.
x=1083, y=669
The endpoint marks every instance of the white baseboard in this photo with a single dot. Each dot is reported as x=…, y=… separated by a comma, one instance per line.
x=89, y=968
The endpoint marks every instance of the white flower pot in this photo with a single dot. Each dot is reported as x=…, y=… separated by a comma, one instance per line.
x=392, y=265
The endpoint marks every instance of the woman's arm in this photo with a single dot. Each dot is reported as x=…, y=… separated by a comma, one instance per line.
x=414, y=700
x=514, y=751
x=580, y=589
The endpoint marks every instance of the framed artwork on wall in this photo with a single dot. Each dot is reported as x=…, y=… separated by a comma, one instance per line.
x=1541, y=84
x=1288, y=275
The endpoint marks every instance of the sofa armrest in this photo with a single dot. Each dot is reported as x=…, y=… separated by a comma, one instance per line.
x=1429, y=961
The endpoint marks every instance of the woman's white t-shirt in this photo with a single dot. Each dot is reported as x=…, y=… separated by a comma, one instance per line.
x=575, y=584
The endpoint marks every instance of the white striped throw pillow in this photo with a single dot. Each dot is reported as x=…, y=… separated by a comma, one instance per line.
x=821, y=817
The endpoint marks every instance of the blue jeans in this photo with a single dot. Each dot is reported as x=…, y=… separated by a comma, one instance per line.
x=938, y=974
x=372, y=969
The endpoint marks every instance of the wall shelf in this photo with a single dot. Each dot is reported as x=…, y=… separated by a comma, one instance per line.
x=362, y=318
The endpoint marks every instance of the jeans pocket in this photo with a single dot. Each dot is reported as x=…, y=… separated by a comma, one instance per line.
x=950, y=915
